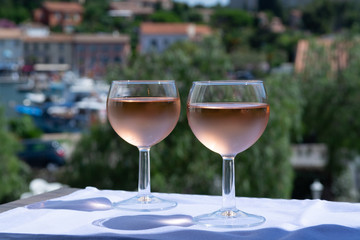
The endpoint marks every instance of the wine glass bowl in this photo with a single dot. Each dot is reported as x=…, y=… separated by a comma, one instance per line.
x=228, y=117
x=143, y=113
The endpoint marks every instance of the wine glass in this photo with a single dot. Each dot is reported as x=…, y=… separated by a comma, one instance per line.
x=228, y=117
x=143, y=113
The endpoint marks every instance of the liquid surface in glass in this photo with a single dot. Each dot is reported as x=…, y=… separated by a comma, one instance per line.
x=143, y=121
x=228, y=128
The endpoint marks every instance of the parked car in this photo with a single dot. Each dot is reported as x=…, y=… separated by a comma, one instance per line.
x=41, y=154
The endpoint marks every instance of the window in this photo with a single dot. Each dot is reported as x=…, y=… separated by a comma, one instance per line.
x=118, y=47
x=153, y=43
x=105, y=48
x=117, y=59
x=57, y=16
x=61, y=47
x=166, y=42
x=61, y=59
x=80, y=48
x=105, y=60
x=93, y=47
x=76, y=17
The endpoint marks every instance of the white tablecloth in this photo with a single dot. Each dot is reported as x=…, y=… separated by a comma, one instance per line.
x=87, y=214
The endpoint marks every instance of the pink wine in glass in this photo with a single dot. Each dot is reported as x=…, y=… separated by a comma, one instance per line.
x=143, y=121
x=228, y=128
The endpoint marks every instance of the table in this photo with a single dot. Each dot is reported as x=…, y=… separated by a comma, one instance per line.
x=87, y=214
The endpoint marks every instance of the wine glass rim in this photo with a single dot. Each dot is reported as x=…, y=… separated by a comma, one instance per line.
x=142, y=81
x=228, y=82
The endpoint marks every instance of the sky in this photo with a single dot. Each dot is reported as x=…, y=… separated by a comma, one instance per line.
x=204, y=2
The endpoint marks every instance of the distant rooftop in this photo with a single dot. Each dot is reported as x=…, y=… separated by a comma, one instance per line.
x=69, y=7
x=10, y=33
x=174, y=28
x=101, y=38
x=54, y=37
x=78, y=38
x=129, y=9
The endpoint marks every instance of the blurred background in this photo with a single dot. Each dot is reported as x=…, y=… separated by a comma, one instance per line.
x=57, y=59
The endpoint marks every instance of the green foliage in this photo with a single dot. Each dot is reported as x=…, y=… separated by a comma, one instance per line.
x=248, y=59
x=17, y=15
x=273, y=6
x=332, y=97
x=13, y=172
x=226, y=18
x=234, y=25
x=24, y=127
x=319, y=16
x=181, y=163
x=164, y=16
x=324, y=16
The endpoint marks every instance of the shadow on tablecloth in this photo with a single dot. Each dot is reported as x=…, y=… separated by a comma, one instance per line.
x=85, y=205
x=320, y=232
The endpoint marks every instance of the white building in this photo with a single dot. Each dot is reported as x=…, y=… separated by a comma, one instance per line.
x=11, y=54
x=159, y=36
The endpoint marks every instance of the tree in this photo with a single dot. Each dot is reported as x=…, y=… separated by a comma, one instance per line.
x=233, y=24
x=13, y=172
x=24, y=127
x=181, y=163
x=324, y=16
x=319, y=16
x=273, y=6
x=164, y=16
x=332, y=94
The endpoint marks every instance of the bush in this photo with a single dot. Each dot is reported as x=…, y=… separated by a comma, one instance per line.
x=24, y=127
x=331, y=92
x=13, y=172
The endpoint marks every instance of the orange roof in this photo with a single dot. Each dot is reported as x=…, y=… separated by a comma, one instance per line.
x=173, y=28
x=10, y=33
x=63, y=7
x=101, y=38
x=51, y=38
x=134, y=7
x=79, y=38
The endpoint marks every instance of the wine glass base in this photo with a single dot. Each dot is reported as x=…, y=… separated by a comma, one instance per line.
x=229, y=218
x=145, y=203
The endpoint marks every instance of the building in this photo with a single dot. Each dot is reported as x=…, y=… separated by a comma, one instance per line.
x=92, y=53
x=48, y=49
x=159, y=36
x=63, y=14
x=335, y=53
x=130, y=8
x=87, y=54
x=11, y=54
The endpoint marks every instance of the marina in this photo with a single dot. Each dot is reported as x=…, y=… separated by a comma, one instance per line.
x=68, y=104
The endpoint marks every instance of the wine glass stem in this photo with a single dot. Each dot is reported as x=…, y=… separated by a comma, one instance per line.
x=144, y=172
x=228, y=183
